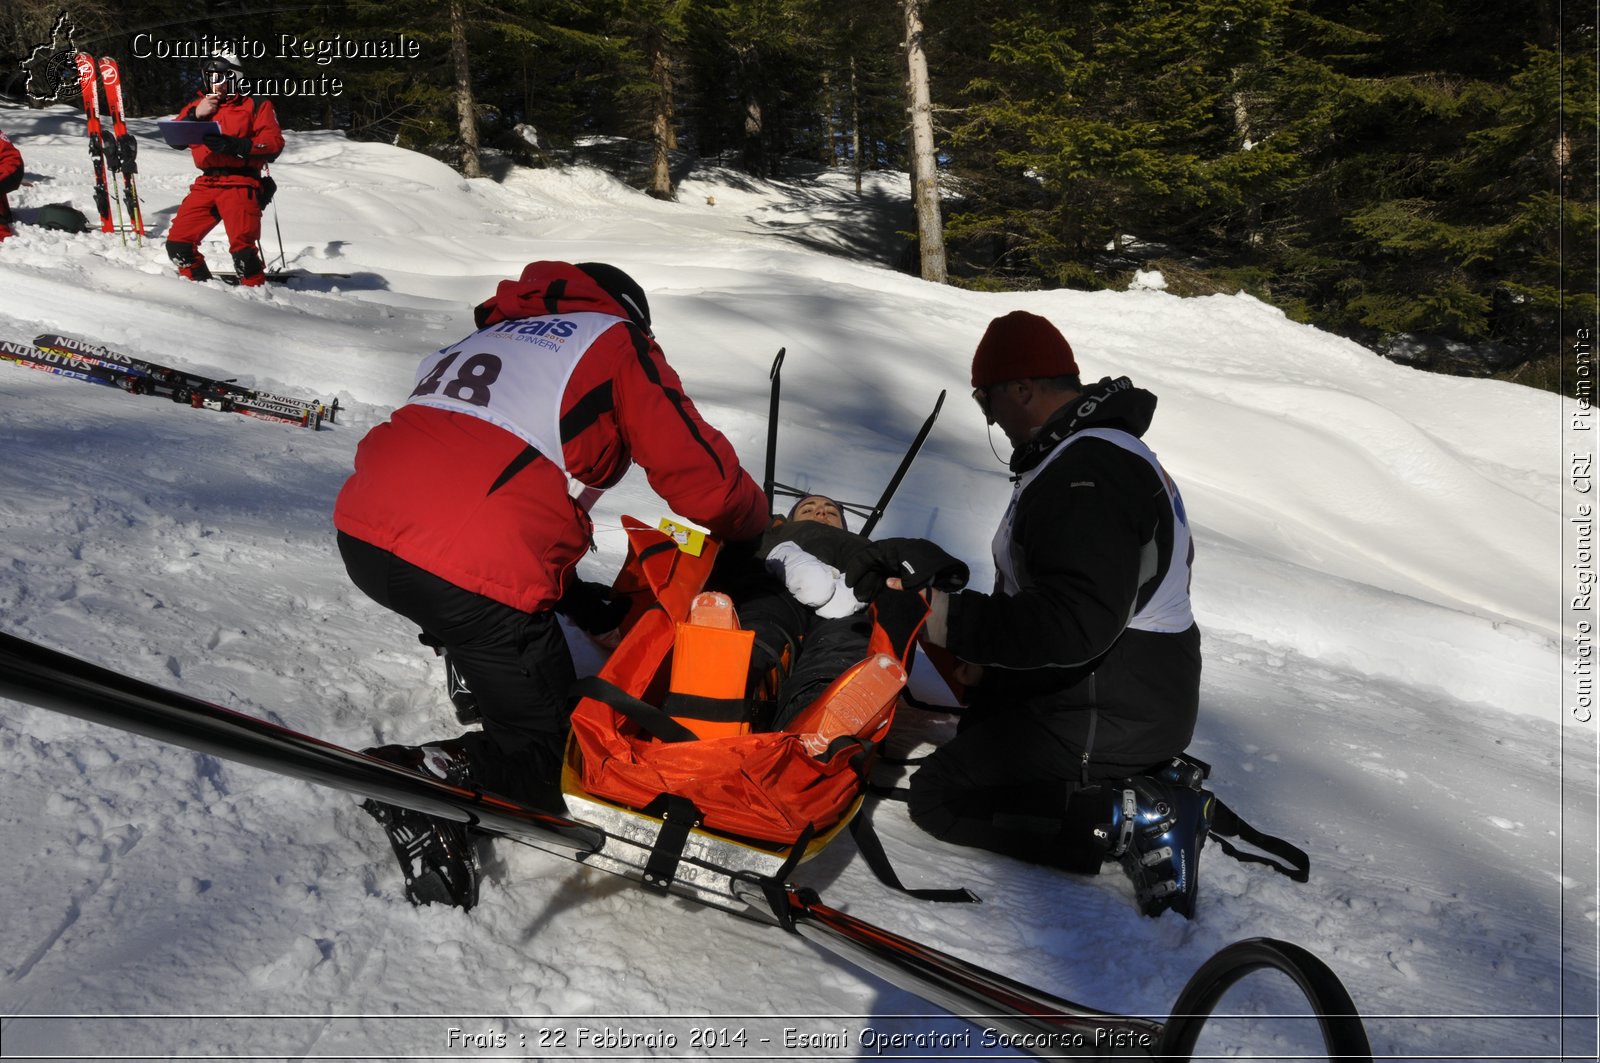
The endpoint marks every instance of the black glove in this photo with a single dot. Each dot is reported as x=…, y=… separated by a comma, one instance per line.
x=917, y=562
x=589, y=605
x=226, y=145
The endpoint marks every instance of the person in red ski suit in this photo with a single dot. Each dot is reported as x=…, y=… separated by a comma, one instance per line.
x=10, y=181
x=229, y=188
x=468, y=509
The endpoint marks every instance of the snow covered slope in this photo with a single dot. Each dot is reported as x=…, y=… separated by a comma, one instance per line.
x=1378, y=579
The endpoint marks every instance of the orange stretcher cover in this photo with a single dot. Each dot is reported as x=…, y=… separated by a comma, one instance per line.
x=762, y=787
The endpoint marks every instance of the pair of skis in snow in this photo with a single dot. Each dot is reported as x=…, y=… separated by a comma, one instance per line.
x=91, y=363
x=116, y=151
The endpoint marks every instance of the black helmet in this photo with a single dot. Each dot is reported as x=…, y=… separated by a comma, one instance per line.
x=621, y=287
x=222, y=63
x=224, y=67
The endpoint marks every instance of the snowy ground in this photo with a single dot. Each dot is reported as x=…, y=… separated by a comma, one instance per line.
x=1380, y=581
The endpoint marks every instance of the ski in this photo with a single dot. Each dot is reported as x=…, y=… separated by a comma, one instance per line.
x=122, y=150
x=89, y=84
x=1032, y=1019
x=100, y=365
x=200, y=391
x=30, y=357
x=100, y=371
x=284, y=276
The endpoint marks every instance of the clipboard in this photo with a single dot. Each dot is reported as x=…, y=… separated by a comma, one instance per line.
x=185, y=134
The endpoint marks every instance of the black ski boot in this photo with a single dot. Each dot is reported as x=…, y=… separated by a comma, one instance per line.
x=436, y=855
x=1158, y=826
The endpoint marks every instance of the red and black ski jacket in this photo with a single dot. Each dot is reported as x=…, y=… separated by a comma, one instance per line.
x=238, y=116
x=478, y=478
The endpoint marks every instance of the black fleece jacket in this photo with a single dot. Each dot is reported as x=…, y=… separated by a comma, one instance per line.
x=1059, y=641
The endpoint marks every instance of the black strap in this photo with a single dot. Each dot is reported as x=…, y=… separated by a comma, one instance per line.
x=229, y=171
x=655, y=548
x=774, y=887
x=646, y=715
x=1226, y=823
x=872, y=852
x=700, y=707
x=678, y=817
x=915, y=702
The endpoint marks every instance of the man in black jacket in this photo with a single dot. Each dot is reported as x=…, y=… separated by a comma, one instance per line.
x=1082, y=668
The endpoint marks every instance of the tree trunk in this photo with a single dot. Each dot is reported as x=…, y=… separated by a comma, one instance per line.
x=661, y=137
x=830, y=151
x=1241, y=131
x=924, y=164
x=855, y=124
x=466, y=110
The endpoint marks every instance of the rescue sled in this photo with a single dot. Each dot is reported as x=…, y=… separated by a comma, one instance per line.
x=662, y=754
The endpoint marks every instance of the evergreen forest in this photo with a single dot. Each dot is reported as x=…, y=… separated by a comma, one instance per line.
x=1417, y=175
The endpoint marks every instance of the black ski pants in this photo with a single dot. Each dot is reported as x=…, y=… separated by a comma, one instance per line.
x=517, y=665
x=821, y=649
x=1012, y=782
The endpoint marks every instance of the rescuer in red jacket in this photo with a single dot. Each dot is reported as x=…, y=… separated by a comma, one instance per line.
x=10, y=181
x=467, y=514
x=230, y=186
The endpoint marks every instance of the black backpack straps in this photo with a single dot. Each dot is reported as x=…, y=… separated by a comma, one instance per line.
x=872, y=852
x=646, y=715
x=1226, y=823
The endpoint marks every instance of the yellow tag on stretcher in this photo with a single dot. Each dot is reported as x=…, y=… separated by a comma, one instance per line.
x=690, y=540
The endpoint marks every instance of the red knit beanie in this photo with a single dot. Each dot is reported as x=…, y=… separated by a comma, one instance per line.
x=1021, y=345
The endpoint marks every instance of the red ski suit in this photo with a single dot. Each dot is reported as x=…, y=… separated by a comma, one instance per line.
x=469, y=480
x=229, y=187
x=10, y=181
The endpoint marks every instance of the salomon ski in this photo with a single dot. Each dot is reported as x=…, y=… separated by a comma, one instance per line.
x=60, y=364
x=185, y=385
x=65, y=356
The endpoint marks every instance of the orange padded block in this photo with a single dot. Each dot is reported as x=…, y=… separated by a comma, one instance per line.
x=710, y=654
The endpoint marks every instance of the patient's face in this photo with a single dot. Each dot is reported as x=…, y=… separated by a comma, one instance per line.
x=821, y=509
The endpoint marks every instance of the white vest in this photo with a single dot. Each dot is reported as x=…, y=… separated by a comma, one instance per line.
x=1168, y=609
x=514, y=374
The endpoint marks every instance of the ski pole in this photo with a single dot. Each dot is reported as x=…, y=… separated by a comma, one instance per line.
x=283, y=258
x=905, y=465
x=772, y=424
x=108, y=149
